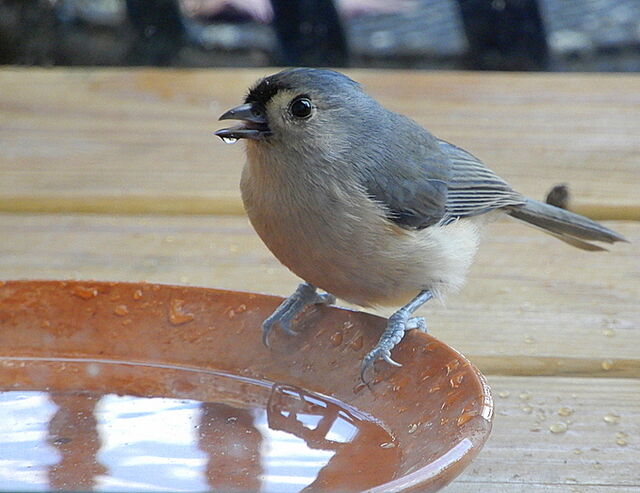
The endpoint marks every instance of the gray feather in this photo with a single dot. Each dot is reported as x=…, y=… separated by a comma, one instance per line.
x=436, y=182
x=409, y=176
x=473, y=188
x=565, y=225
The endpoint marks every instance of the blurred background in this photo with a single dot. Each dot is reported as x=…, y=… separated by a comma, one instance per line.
x=549, y=35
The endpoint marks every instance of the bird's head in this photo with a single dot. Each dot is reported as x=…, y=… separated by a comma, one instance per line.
x=305, y=108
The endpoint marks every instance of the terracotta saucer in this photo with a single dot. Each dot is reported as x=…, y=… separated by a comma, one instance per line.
x=123, y=386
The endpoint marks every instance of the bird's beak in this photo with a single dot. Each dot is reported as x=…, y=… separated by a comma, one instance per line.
x=254, y=126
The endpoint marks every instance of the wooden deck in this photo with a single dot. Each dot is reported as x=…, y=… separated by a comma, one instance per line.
x=115, y=175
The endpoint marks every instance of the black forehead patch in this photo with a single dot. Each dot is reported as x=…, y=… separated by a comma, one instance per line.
x=302, y=80
x=262, y=92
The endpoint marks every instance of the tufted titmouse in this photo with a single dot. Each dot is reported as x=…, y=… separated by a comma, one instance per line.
x=367, y=205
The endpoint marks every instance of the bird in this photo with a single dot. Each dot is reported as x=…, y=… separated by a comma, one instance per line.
x=367, y=205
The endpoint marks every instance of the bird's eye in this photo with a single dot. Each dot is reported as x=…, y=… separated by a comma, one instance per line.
x=301, y=107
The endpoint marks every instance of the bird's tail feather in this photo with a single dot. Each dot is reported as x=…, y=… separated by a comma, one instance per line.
x=571, y=228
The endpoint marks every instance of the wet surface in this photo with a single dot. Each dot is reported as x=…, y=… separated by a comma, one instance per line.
x=254, y=436
x=134, y=386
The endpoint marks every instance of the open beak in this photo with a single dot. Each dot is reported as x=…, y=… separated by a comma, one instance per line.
x=254, y=124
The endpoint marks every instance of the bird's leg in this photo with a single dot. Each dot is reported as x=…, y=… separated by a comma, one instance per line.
x=397, y=325
x=304, y=296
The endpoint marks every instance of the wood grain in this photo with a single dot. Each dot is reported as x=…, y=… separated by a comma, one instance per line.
x=592, y=455
x=140, y=141
x=532, y=306
x=543, y=320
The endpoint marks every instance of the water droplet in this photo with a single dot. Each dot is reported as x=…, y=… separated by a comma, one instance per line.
x=121, y=310
x=433, y=389
x=93, y=369
x=608, y=332
x=565, y=411
x=229, y=140
x=452, y=365
x=577, y=451
x=527, y=409
x=621, y=438
x=607, y=365
x=137, y=294
x=529, y=340
x=357, y=343
x=359, y=388
x=177, y=315
x=504, y=394
x=412, y=428
x=464, y=418
x=387, y=445
x=456, y=380
x=336, y=338
x=558, y=428
x=611, y=418
x=84, y=292
x=525, y=396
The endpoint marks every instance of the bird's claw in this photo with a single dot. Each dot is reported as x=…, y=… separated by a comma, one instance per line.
x=290, y=308
x=419, y=323
x=269, y=324
x=373, y=356
x=325, y=299
x=387, y=357
x=390, y=338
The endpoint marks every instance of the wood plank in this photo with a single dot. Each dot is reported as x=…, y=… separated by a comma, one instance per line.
x=140, y=141
x=533, y=306
x=592, y=455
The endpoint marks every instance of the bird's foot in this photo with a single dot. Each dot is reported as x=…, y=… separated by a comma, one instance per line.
x=397, y=325
x=419, y=323
x=304, y=296
x=392, y=335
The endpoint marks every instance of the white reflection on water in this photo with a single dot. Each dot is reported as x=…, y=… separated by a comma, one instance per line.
x=25, y=454
x=151, y=439
x=147, y=444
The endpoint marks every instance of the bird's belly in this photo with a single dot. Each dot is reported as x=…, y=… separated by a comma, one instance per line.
x=323, y=254
x=353, y=251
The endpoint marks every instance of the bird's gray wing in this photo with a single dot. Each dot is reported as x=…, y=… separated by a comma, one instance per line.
x=441, y=184
x=473, y=188
x=414, y=195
